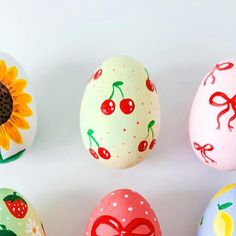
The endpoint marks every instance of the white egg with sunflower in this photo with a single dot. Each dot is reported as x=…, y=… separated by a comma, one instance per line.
x=18, y=119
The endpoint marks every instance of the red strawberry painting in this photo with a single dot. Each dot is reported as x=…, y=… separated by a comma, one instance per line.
x=16, y=205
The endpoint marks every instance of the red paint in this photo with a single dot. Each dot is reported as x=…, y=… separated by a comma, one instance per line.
x=16, y=205
x=97, y=74
x=228, y=103
x=152, y=144
x=150, y=85
x=203, y=149
x=93, y=153
x=142, y=146
x=127, y=106
x=104, y=153
x=144, y=143
x=134, y=228
x=108, y=107
x=219, y=67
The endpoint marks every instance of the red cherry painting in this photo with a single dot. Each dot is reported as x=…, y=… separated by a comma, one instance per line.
x=101, y=151
x=97, y=74
x=149, y=84
x=104, y=153
x=127, y=106
x=93, y=153
x=108, y=106
x=144, y=143
x=143, y=146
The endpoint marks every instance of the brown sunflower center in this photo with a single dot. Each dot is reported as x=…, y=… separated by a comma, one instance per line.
x=6, y=104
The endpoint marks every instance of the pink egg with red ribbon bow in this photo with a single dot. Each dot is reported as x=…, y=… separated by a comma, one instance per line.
x=123, y=212
x=212, y=124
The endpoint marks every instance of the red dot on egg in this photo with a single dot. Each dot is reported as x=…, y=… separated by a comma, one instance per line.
x=137, y=122
x=124, y=130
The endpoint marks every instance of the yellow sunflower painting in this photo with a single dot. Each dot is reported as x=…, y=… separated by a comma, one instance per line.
x=14, y=107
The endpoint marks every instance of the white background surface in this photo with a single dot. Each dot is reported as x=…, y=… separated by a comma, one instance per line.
x=60, y=43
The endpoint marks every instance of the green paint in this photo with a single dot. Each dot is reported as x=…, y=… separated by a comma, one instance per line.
x=201, y=222
x=11, y=158
x=91, y=137
x=224, y=206
x=117, y=85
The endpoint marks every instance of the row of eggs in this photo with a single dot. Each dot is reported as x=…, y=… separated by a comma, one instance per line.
x=120, y=114
x=121, y=212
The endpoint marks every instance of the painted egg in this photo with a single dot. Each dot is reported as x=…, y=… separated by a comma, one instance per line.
x=213, y=117
x=120, y=113
x=220, y=215
x=17, y=110
x=123, y=212
x=18, y=218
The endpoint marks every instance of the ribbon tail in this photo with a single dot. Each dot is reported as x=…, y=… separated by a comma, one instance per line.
x=207, y=157
x=221, y=114
x=230, y=120
x=210, y=74
x=204, y=156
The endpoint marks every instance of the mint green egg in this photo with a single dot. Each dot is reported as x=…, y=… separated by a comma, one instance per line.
x=18, y=217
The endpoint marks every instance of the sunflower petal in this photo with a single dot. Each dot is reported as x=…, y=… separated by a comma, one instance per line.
x=10, y=75
x=22, y=110
x=20, y=122
x=3, y=69
x=23, y=98
x=13, y=132
x=4, y=142
x=18, y=86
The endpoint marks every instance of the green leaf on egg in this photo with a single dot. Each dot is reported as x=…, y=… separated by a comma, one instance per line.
x=224, y=206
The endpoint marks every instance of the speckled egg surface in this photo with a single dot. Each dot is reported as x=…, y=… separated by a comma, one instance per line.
x=120, y=113
x=220, y=216
x=123, y=212
x=17, y=216
x=18, y=120
x=212, y=123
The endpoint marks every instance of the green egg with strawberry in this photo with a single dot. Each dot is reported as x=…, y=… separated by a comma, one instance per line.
x=120, y=113
x=17, y=216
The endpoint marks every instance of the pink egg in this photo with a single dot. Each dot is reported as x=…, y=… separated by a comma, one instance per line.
x=212, y=124
x=123, y=212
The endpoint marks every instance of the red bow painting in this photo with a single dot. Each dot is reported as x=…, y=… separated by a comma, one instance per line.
x=228, y=103
x=219, y=67
x=203, y=149
x=132, y=229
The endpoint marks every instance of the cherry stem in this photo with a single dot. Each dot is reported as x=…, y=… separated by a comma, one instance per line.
x=147, y=72
x=112, y=94
x=152, y=133
x=150, y=125
x=90, y=134
x=117, y=85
